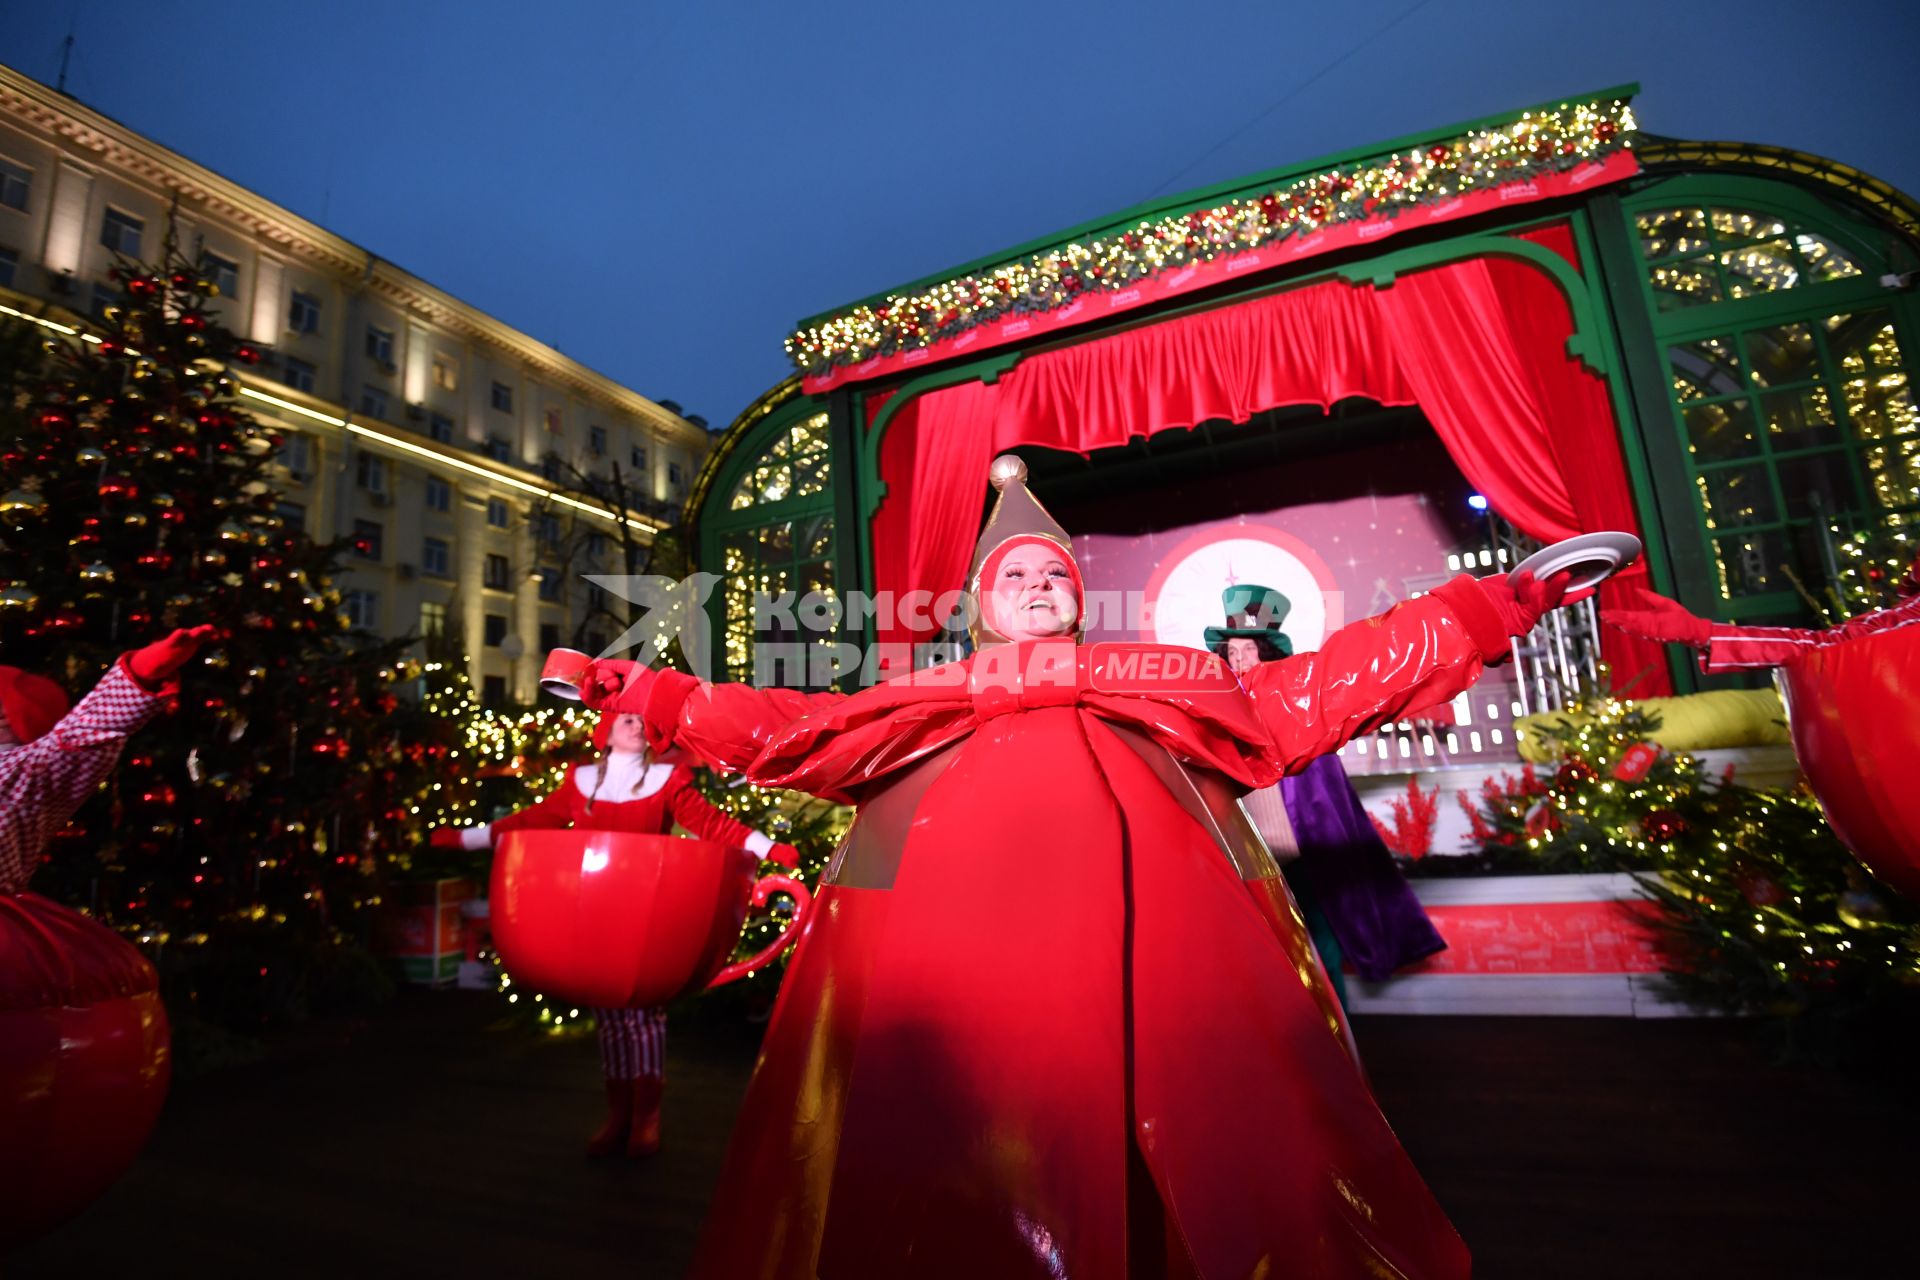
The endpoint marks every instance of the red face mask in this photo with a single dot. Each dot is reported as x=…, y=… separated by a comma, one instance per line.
x=1017, y=607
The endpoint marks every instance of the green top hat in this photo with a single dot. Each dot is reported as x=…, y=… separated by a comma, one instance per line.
x=1252, y=612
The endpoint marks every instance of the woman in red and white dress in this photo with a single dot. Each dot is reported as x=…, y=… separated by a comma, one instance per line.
x=627, y=789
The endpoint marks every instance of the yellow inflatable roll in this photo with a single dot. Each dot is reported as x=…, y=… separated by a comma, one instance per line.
x=1697, y=722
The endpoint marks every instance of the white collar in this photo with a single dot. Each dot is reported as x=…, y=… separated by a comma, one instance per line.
x=627, y=777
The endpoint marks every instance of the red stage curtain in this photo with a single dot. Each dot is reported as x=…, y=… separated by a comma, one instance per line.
x=1478, y=345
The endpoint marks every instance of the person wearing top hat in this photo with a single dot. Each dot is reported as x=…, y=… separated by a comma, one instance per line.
x=1033, y=1029
x=1358, y=906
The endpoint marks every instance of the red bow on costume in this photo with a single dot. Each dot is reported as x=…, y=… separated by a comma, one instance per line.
x=837, y=751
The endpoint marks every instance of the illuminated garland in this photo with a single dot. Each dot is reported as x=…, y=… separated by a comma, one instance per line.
x=1538, y=142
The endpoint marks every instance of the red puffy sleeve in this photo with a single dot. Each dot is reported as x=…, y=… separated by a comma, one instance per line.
x=557, y=811
x=1415, y=655
x=697, y=814
x=725, y=725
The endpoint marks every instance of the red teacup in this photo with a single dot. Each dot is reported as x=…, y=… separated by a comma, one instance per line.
x=562, y=674
x=1854, y=710
x=613, y=919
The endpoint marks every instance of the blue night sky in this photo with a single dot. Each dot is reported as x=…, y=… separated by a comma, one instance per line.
x=660, y=190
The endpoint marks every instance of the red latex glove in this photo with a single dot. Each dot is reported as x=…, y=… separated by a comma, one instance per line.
x=1659, y=618
x=607, y=680
x=1524, y=599
x=154, y=665
x=784, y=854
x=445, y=838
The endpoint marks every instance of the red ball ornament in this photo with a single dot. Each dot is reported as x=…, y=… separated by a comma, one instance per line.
x=161, y=796
x=1762, y=891
x=119, y=487
x=1572, y=774
x=55, y=419
x=1663, y=825
x=194, y=321
x=84, y=1062
x=1438, y=154
x=154, y=561
x=1605, y=130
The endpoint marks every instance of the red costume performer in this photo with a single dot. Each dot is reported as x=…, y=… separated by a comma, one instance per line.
x=1034, y=1029
x=52, y=759
x=1725, y=647
x=625, y=790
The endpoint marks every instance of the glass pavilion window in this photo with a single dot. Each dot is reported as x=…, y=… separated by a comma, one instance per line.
x=777, y=536
x=1791, y=375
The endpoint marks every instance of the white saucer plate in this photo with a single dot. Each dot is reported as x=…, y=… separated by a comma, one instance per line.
x=1590, y=558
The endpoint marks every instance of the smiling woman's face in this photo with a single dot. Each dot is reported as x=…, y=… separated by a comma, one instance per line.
x=1032, y=595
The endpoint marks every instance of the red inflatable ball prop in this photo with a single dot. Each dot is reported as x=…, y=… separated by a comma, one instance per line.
x=615, y=919
x=1854, y=711
x=84, y=1062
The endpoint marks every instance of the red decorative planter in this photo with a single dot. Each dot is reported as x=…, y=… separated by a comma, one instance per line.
x=84, y=1062
x=613, y=920
x=1854, y=710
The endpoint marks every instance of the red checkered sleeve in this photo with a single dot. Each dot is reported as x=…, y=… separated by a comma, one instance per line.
x=45, y=781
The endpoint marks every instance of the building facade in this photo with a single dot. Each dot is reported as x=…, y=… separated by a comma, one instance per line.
x=470, y=466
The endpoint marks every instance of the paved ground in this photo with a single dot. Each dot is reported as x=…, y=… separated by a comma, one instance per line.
x=431, y=1145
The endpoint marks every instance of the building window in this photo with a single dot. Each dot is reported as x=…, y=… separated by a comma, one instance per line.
x=435, y=557
x=15, y=183
x=293, y=515
x=362, y=609
x=639, y=457
x=549, y=637
x=380, y=346
x=297, y=374
x=440, y=427
x=9, y=265
x=503, y=397
x=120, y=232
x=1795, y=408
x=367, y=535
x=303, y=313
x=446, y=374
x=553, y=421
x=296, y=454
x=673, y=474
x=775, y=534
x=499, y=449
x=550, y=468
x=373, y=402
x=224, y=274
x=597, y=441
x=496, y=630
x=493, y=691
x=497, y=512
x=439, y=494
x=596, y=642
x=596, y=545
x=596, y=597
x=496, y=575
x=551, y=583
x=104, y=296
x=433, y=619
x=370, y=472
x=546, y=529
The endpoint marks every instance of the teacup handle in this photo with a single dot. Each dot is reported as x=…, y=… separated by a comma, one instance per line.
x=763, y=889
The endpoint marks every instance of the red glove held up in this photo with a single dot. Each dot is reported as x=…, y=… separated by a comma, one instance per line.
x=1524, y=599
x=445, y=838
x=154, y=665
x=786, y=855
x=1659, y=618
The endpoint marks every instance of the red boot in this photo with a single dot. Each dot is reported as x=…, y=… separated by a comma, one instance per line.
x=613, y=1134
x=644, y=1137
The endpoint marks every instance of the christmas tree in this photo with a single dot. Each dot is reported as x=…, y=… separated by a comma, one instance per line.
x=241, y=838
x=1761, y=908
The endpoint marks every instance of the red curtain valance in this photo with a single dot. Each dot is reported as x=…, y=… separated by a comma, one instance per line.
x=1479, y=346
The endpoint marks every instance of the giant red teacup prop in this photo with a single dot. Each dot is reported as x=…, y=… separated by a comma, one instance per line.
x=1854, y=711
x=613, y=919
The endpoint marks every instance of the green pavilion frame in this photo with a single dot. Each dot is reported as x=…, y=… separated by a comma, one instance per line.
x=1750, y=310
